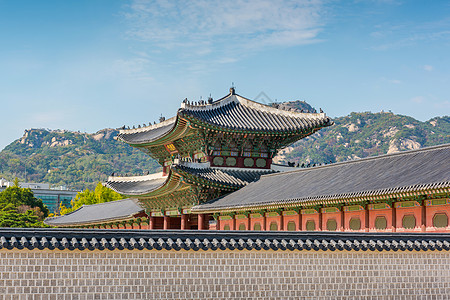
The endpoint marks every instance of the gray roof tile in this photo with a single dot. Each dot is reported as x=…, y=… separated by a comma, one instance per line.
x=98, y=213
x=239, y=113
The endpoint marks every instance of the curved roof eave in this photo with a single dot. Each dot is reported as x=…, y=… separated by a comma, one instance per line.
x=148, y=134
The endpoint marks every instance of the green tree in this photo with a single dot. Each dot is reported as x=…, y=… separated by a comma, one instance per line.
x=19, y=208
x=87, y=197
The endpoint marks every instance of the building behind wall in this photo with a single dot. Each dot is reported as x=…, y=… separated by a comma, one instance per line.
x=53, y=198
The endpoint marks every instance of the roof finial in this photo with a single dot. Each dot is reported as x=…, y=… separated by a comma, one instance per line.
x=232, y=91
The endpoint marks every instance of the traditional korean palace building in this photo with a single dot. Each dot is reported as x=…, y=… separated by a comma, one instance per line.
x=218, y=174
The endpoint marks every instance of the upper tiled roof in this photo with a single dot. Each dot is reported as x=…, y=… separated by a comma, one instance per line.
x=141, y=240
x=238, y=113
x=417, y=170
x=98, y=213
x=232, y=177
x=231, y=112
x=137, y=185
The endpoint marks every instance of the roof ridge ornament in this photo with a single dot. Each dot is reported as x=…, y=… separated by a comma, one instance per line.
x=232, y=89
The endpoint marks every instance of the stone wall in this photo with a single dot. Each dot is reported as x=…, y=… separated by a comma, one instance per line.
x=223, y=274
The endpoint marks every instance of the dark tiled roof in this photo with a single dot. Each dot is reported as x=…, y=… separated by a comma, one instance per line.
x=98, y=213
x=236, y=112
x=232, y=177
x=92, y=239
x=148, y=133
x=138, y=185
x=231, y=112
x=416, y=170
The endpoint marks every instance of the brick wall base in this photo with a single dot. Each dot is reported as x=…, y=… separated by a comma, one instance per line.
x=148, y=274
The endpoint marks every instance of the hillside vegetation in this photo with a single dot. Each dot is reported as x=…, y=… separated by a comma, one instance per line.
x=367, y=134
x=73, y=159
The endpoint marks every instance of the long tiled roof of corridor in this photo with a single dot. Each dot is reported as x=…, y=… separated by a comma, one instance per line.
x=409, y=171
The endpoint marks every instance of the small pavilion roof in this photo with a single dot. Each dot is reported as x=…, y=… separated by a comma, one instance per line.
x=401, y=173
x=118, y=210
x=232, y=112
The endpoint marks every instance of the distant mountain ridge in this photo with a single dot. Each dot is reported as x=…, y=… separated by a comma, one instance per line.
x=80, y=160
x=366, y=134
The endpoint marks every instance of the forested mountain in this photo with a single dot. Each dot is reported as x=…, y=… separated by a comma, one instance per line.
x=81, y=160
x=74, y=159
x=365, y=134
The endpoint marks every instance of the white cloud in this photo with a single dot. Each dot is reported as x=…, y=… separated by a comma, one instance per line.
x=136, y=68
x=228, y=28
x=418, y=99
x=428, y=68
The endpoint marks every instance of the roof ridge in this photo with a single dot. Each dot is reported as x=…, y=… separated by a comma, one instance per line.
x=269, y=109
x=236, y=98
x=383, y=156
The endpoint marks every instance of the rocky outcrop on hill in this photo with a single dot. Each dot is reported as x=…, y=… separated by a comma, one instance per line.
x=366, y=134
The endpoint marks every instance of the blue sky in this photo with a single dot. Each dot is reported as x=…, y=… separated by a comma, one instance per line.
x=88, y=65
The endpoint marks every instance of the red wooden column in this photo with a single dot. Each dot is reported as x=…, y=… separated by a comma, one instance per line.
x=201, y=221
x=218, y=223
x=320, y=220
x=184, y=221
x=281, y=221
x=151, y=223
x=166, y=223
x=366, y=215
x=233, y=223
x=300, y=220
x=394, y=217
x=424, y=217
x=263, y=225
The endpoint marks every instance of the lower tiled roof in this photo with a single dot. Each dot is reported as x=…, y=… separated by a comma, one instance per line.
x=107, y=239
x=98, y=213
x=232, y=177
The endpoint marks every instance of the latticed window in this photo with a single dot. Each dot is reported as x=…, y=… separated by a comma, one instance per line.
x=257, y=226
x=310, y=225
x=331, y=225
x=242, y=226
x=273, y=226
x=355, y=224
x=380, y=223
x=226, y=227
x=440, y=220
x=291, y=226
x=409, y=222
